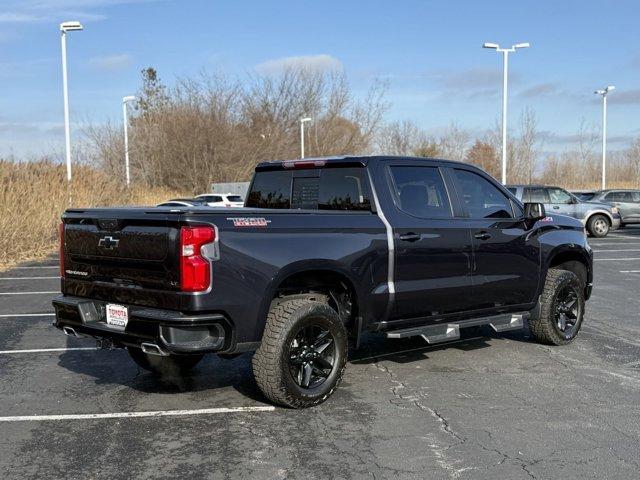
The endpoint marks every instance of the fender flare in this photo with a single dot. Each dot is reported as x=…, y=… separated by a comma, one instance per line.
x=302, y=266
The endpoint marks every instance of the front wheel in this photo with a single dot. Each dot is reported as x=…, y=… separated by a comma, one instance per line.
x=598, y=226
x=561, y=309
x=169, y=366
x=303, y=353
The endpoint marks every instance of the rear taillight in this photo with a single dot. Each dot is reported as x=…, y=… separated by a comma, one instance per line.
x=195, y=268
x=61, y=233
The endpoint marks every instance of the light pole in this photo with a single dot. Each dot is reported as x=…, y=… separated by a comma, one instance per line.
x=64, y=28
x=604, y=92
x=302, y=122
x=125, y=124
x=505, y=55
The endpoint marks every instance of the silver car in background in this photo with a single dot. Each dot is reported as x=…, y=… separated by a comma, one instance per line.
x=627, y=201
x=597, y=217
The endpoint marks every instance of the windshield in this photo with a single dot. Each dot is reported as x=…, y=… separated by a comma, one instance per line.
x=235, y=198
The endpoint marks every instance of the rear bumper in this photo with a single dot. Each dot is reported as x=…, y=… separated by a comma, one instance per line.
x=172, y=331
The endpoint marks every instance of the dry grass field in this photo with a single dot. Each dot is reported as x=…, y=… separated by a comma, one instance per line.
x=33, y=195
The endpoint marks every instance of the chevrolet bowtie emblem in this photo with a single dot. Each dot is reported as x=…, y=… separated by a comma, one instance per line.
x=108, y=243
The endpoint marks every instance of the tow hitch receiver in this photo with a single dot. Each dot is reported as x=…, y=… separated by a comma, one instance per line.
x=105, y=344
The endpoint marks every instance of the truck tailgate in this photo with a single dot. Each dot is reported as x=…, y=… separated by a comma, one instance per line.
x=131, y=250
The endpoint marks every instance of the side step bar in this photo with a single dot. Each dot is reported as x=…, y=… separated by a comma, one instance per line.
x=445, y=332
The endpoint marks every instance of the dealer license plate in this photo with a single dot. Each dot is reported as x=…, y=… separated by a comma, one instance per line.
x=117, y=316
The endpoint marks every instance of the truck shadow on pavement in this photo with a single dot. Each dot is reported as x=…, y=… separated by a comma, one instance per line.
x=214, y=373
x=415, y=349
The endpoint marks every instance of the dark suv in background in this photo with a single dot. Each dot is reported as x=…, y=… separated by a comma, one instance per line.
x=598, y=217
x=626, y=201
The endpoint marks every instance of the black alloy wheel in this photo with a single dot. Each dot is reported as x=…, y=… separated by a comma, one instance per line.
x=311, y=356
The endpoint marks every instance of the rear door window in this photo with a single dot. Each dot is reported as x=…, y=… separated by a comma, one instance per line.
x=535, y=195
x=420, y=192
x=624, y=197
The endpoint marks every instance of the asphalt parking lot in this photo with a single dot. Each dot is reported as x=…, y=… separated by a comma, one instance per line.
x=489, y=406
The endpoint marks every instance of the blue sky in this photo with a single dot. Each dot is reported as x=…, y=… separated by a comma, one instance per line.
x=429, y=52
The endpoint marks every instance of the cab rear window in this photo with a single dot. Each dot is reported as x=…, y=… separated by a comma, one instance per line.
x=314, y=189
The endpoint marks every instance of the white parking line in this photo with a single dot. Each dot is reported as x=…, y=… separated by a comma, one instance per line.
x=623, y=236
x=614, y=259
x=601, y=251
x=19, y=315
x=629, y=271
x=606, y=244
x=28, y=278
x=46, y=350
x=35, y=268
x=158, y=413
x=29, y=293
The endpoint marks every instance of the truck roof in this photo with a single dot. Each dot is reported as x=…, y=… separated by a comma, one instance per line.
x=342, y=161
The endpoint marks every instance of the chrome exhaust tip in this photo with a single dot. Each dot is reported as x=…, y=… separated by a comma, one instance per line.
x=153, y=349
x=70, y=332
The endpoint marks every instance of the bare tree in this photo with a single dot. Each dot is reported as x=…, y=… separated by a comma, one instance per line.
x=482, y=154
x=524, y=163
x=211, y=128
x=454, y=142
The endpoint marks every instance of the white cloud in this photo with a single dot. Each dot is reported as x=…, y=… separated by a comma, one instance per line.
x=18, y=17
x=112, y=63
x=313, y=63
x=32, y=11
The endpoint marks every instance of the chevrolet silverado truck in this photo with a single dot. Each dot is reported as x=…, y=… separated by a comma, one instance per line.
x=324, y=251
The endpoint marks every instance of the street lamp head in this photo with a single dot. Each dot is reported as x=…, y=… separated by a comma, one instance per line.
x=604, y=91
x=305, y=119
x=70, y=27
x=522, y=45
x=130, y=98
x=491, y=45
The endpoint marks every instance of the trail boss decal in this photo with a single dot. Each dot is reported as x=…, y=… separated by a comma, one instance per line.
x=249, y=221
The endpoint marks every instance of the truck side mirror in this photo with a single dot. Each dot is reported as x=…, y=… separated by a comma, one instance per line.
x=534, y=211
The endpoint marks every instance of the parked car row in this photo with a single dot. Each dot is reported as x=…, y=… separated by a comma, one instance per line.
x=206, y=200
x=627, y=201
x=598, y=216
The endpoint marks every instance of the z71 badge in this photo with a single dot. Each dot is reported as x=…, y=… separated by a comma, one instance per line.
x=249, y=221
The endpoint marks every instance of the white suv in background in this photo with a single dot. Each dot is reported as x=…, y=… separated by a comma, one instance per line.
x=222, y=199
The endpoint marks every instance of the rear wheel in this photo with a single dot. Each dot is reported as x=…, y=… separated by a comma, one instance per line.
x=303, y=353
x=561, y=309
x=171, y=365
x=598, y=226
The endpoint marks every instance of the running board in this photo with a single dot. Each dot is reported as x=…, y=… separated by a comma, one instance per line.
x=444, y=332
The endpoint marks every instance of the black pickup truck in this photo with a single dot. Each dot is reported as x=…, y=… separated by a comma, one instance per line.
x=323, y=251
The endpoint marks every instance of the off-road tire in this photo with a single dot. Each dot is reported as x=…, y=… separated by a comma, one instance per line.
x=271, y=361
x=544, y=328
x=596, y=226
x=172, y=365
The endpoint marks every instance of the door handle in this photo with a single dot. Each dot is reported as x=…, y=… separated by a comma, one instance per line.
x=482, y=236
x=410, y=237
x=555, y=207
